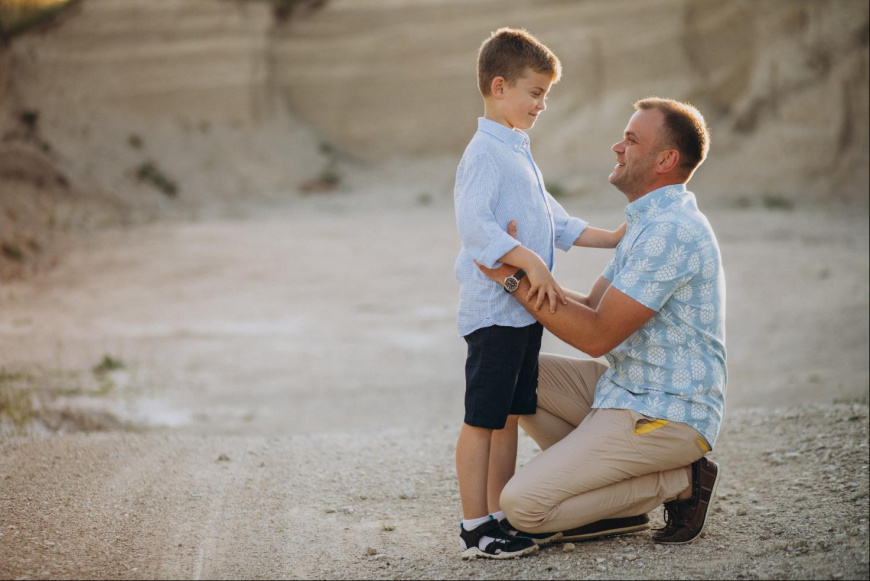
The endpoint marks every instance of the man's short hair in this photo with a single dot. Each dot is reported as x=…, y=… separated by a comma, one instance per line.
x=508, y=52
x=685, y=130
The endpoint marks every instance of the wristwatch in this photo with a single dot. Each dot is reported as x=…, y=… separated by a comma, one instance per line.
x=512, y=283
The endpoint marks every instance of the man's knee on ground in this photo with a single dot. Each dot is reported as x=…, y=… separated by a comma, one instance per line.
x=522, y=513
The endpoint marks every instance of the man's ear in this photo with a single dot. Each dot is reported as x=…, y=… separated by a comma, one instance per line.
x=668, y=160
x=497, y=87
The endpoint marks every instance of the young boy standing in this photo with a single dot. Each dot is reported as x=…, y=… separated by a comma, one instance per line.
x=497, y=182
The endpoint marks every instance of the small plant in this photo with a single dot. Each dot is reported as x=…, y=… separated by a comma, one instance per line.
x=30, y=119
x=107, y=365
x=12, y=251
x=776, y=202
x=330, y=178
x=150, y=173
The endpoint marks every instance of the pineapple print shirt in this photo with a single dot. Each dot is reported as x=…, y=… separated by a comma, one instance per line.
x=673, y=367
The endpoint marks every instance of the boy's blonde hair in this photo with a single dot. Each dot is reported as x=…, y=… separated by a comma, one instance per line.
x=508, y=52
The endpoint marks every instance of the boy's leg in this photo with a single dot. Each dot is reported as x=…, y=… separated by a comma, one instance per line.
x=502, y=462
x=494, y=359
x=523, y=401
x=472, y=460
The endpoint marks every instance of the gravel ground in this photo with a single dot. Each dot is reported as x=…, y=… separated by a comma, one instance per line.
x=793, y=503
x=208, y=400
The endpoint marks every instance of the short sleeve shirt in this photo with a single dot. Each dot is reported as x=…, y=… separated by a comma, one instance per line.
x=672, y=368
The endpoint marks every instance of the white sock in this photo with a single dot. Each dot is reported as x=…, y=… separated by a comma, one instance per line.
x=473, y=523
x=499, y=516
x=470, y=524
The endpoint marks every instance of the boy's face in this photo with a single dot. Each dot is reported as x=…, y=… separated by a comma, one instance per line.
x=520, y=103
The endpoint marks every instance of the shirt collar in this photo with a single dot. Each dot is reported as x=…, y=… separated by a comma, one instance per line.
x=513, y=137
x=653, y=202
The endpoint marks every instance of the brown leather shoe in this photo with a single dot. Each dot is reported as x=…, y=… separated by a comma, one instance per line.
x=607, y=527
x=685, y=519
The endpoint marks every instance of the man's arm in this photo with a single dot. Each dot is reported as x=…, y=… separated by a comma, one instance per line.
x=593, y=330
x=593, y=299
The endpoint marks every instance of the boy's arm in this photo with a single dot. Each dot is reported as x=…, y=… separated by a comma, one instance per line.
x=481, y=235
x=567, y=228
x=542, y=282
x=598, y=238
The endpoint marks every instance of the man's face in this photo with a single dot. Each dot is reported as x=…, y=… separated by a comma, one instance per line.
x=526, y=99
x=637, y=153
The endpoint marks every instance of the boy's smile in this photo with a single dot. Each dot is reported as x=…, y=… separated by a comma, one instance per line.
x=518, y=105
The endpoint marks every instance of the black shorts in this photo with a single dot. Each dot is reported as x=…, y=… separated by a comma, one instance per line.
x=501, y=374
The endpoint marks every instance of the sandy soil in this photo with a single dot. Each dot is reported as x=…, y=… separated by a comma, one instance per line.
x=287, y=391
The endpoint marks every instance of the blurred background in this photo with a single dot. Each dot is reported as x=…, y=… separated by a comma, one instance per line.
x=220, y=194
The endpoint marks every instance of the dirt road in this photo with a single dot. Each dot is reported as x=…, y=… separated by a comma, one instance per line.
x=288, y=390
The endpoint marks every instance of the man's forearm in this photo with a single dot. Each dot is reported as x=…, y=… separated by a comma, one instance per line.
x=574, y=323
x=577, y=297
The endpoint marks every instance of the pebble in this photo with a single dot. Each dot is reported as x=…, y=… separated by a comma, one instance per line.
x=602, y=568
x=568, y=548
x=409, y=494
x=223, y=458
x=329, y=510
x=630, y=557
x=600, y=559
x=741, y=511
x=347, y=509
x=371, y=552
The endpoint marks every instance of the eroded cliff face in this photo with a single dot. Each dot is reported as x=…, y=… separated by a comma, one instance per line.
x=233, y=96
x=784, y=84
x=126, y=110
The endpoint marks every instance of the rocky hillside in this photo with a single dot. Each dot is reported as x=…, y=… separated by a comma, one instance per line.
x=146, y=107
x=784, y=84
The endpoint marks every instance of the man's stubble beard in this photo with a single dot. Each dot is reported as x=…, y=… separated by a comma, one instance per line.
x=630, y=181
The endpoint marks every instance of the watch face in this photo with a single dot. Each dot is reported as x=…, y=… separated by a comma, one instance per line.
x=511, y=284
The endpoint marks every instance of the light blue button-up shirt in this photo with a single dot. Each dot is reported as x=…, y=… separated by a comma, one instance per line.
x=673, y=367
x=498, y=181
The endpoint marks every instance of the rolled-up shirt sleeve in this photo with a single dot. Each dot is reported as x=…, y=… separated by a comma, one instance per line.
x=567, y=229
x=476, y=194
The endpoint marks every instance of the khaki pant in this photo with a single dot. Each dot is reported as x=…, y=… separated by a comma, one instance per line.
x=595, y=464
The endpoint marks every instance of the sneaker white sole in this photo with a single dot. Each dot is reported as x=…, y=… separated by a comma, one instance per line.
x=474, y=552
x=607, y=533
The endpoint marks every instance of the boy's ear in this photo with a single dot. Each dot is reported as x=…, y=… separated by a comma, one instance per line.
x=497, y=87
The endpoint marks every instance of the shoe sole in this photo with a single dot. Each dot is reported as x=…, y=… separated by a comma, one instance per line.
x=607, y=533
x=475, y=552
x=548, y=540
x=707, y=514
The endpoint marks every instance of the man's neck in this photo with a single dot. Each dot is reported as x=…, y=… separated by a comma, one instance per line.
x=633, y=197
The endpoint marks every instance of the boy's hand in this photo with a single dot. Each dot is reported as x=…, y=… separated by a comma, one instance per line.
x=541, y=279
x=545, y=286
